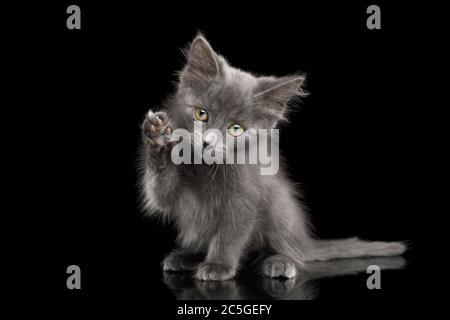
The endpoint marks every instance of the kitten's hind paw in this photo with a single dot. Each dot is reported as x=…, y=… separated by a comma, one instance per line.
x=179, y=262
x=214, y=272
x=278, y=266
x=156, y=129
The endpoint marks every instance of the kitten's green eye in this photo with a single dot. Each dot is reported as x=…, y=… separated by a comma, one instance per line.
x=236, y=129
x=201, y=114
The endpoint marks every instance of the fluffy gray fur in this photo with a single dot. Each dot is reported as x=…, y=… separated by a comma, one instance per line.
x=231, y=216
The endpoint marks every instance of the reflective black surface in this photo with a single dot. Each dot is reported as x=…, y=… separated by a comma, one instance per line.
x=305, y=286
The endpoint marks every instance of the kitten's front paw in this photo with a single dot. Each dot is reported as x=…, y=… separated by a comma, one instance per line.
x=214, y=272
x=156, y=130
x=278, y=266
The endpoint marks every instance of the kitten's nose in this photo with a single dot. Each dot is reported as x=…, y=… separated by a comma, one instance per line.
x=209, y=139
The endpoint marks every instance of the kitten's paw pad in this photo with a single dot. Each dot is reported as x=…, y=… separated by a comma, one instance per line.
x=156, y=129
x=214, y=272
x=279, y=267
x=175, y=262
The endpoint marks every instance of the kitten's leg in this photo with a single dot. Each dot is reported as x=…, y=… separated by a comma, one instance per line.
x=278, y=266
x=160, y=178
x=181, y=260
x=226, y=246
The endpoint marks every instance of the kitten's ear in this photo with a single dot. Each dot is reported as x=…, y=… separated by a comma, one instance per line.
x=271, y=96
x=203, y=63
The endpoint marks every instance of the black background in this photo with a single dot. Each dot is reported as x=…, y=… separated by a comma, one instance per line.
x=356, y=143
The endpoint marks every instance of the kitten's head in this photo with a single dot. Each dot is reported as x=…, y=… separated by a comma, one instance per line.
x=215, y=94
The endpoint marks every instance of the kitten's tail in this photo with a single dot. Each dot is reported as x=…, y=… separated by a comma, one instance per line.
x=353, y=248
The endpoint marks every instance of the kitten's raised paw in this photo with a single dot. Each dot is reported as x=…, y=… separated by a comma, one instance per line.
x=214, y=272
x=156, y=129
x=278, y=266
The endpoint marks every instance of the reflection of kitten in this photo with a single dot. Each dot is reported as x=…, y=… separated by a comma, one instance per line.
x=227, y=213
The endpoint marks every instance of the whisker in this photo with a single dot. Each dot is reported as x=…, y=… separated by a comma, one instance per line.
x=234, y=179
x=215, y=168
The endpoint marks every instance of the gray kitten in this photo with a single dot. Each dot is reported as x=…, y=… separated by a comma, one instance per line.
x=230, y=216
